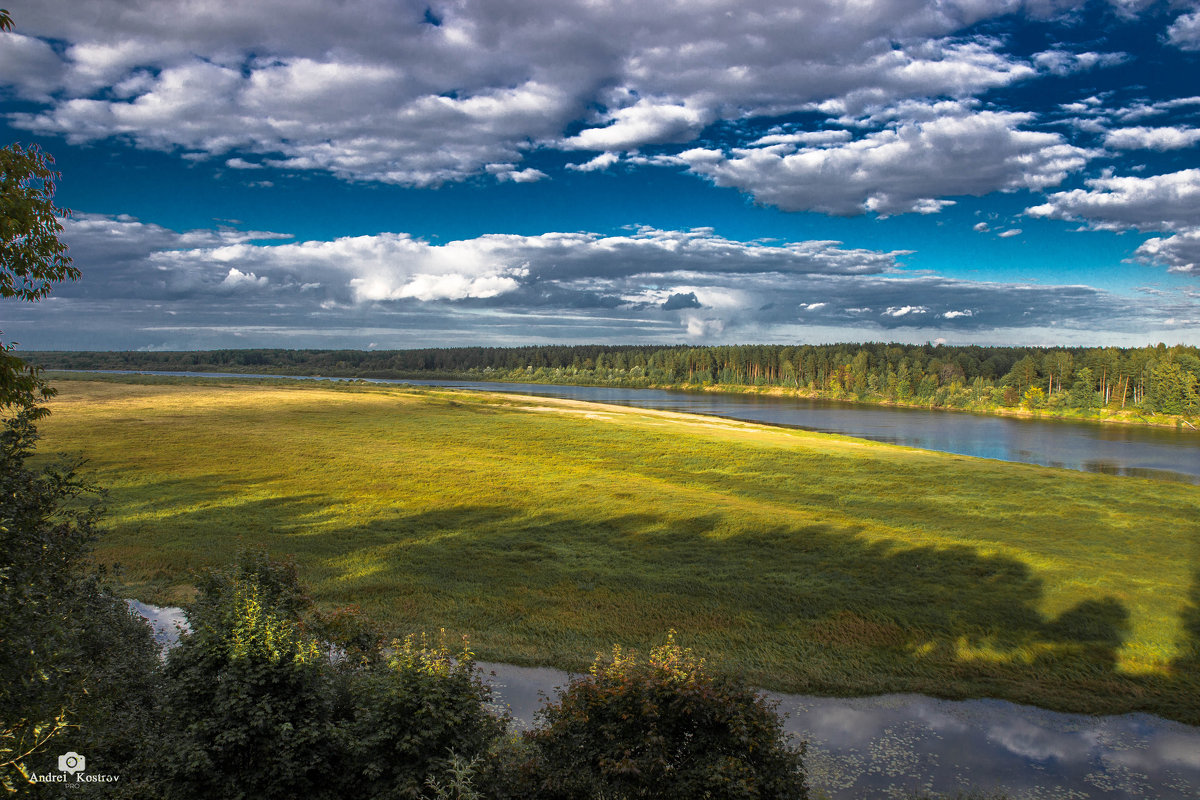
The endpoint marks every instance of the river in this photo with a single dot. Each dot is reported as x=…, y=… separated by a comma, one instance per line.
x=896, y=745
x=1141, y=451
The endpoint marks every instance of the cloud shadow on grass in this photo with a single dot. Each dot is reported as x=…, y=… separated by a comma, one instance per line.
x=820, y=608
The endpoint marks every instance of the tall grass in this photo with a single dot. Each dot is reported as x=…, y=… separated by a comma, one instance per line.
x=546, y=530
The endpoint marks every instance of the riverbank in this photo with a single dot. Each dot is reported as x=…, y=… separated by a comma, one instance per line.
x=547, y=530
x=981, y=399
x=1107, y=416
x=1141, y=451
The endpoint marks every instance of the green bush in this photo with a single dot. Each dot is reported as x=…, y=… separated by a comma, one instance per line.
x=268, y=698
x=250, y=697
x=663, y=728
x=418, y=719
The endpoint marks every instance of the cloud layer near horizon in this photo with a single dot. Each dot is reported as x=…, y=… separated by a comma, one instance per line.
x=669, y=286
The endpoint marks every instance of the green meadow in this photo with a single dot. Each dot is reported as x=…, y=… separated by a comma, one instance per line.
x=548, y=530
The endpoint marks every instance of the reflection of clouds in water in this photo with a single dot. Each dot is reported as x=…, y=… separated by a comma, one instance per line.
x=1179, y=749
x=165, y=622
x=840, y=727
x=936, y=718
x=1039, y=743
x=901, y=744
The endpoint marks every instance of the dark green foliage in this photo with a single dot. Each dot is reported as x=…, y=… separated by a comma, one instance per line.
x=250, y=699
x=268, y=698
x=1083, y=391
x=21, y=385
x=413, y=716
x=662, y=728
x=79, y=670
x=32, y=259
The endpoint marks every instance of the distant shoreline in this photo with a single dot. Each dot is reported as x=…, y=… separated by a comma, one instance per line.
x=1102, y=416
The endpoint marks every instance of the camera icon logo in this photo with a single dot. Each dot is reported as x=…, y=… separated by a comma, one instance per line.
x=71, y=762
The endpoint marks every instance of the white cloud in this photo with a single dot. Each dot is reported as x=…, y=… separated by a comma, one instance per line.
x=980, y=227
x=1063, y=62
x=29, y=64
x=812, y=138
x=903, y=311
x=1184, y=32
x=903, y=169
x=236, y=279
x=127, y=257
x=641, y=124
x=1008, y=234
x=376, y=93
x=509, y=172
x=1140, y=138
x=1179, y=253
x=600, y=162
x=966, y=312
x=1168, y=202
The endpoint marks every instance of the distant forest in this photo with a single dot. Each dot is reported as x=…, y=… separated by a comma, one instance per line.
x=1152, y=380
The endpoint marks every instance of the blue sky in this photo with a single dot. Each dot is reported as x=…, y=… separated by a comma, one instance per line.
x=406, y=174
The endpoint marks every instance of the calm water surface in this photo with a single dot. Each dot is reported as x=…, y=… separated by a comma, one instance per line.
x=894, y=745
x=1160, y=453
x=1119, y=450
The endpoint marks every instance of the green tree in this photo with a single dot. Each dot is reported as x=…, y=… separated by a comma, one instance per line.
x=1083, y=391
x=664, y=728
x=249, y=700
x=270, y=698
x=416, y=716
x=32, y=258
x=79, y=671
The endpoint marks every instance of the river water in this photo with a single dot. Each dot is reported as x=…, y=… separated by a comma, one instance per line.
x=896, y=745
x=1159, y=453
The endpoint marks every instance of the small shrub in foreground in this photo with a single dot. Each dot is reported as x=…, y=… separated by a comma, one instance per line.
x=662, y=727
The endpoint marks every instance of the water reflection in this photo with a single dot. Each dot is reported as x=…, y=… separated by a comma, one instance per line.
x=167, y=623
x=896, y=745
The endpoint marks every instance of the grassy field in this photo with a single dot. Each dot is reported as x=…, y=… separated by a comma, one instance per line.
x=547, y=530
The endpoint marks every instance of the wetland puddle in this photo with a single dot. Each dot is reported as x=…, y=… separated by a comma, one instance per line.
x=895, y=745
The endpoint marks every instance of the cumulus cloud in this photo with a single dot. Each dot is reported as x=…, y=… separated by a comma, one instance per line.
x=908, y=168
x=379, y=92
x=1169, y=202
x=1140, y=138
x=236, y=279
x=1184, y=32
x=1179, y=253
x=1008, y=234
x=600, y=162
x=509, y=172
x=647, y=284
x=127, y=257
x=679, y=300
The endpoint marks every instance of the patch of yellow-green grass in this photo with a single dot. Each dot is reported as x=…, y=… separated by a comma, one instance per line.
x=546, y=530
